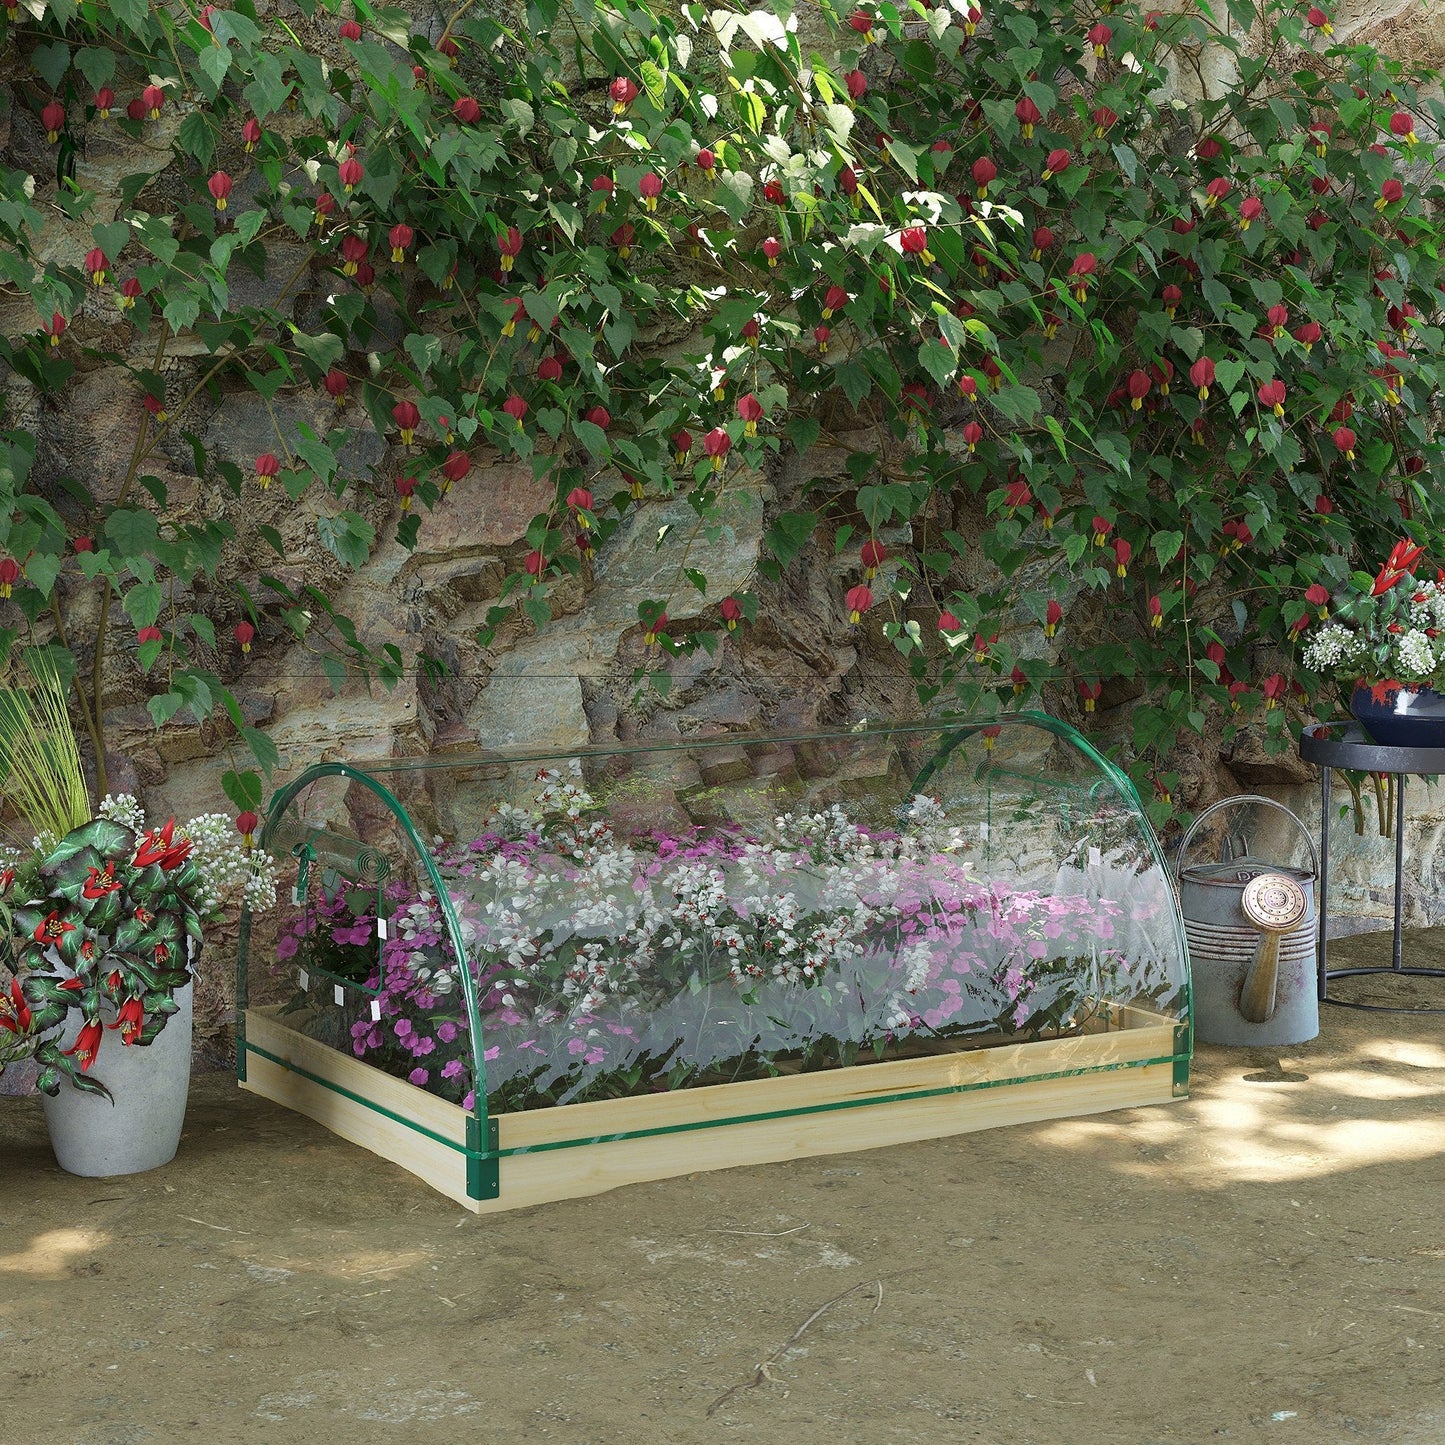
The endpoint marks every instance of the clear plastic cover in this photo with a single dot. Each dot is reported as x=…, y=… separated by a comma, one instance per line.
x=650, y=917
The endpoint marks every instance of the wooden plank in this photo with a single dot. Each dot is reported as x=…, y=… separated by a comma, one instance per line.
x=829, y=1086
x=593, y=1168
x=436, y=1164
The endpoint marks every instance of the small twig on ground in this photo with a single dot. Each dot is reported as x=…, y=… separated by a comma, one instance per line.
x=764, y=1370
x=225, y=1228
x=762, y=1233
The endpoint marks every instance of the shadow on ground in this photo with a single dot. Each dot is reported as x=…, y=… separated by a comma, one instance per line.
x=1264, y=1261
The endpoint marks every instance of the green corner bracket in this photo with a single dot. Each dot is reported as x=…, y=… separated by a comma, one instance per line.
x=484, y=1177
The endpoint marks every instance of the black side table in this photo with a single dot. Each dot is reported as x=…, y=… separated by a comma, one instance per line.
x=1344, y=745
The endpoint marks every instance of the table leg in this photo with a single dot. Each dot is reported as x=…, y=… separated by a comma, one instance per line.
x=1399, y=954
x=1323, y=901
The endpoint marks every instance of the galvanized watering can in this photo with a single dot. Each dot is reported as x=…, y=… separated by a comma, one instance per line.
x=1252, y=932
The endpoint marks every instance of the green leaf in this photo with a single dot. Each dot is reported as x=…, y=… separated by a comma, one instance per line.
x=51, y=61
x=132, y=532
x=262, y=749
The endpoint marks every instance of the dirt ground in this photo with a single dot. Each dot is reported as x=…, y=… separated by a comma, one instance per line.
x=1265, y=1261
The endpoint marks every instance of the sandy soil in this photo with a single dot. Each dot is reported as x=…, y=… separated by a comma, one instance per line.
x=1265, y=1261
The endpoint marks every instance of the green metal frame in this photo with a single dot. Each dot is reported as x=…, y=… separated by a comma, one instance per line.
x=482, y=1149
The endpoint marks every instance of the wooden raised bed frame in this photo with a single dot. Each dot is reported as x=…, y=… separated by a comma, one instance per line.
x=514, y=1160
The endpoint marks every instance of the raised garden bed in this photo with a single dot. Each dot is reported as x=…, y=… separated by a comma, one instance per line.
x=648, y=962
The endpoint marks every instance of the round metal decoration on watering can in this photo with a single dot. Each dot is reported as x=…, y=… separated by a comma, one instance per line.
x=1251, y=927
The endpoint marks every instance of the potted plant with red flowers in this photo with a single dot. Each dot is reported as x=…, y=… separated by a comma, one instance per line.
x=1383, y=638
x=106, y=921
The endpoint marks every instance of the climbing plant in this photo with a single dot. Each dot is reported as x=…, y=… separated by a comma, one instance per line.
x=1126, y=379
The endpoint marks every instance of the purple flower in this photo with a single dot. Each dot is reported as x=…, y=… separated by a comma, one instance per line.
x=446, y=1031
x=470, y=1100
x=403, y=1028
x=422, y=1045
x=453, y=1068
x=287, y=945
x=418, y=1077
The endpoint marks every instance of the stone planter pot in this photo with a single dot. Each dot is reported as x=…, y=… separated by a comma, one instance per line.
x=1406, y=716
x=141, y=1129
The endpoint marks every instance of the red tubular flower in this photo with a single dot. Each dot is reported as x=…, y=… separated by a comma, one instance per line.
x=1104, y=118
x=1123, y=552
x=772, y=249
x=1273, y=688
x=1250, y=209
x=1401, y=561
x=155, y=406
x=1102, y=527
x=914, y=242
x=405, y=486
x=821, y=335
x=1318, y=20
x=1317, y=595
x=408, y=418
x=871, y=555
x=731, y=612
x=653, y=629
x=104, y=102
x=1390, y=192
x=857, y=84
x=773, y=193
x=1016, y=495
x=97, y=264
x=153, y=97
x=1344, y=439
x=599, y=416
x=858, y=599
x=681, y=446
x=86, y=1045
x=1403, y=126
x=991, y=735
x=245, y=635
x=649, y=187
x=354, y=250
x=52, y=117
x=622, y=92
x=9, y=575
x=1202, y=376
x=510, y=247
x=1156, y=612
x=349, y=172
x=1137, y=386
x=246, y=825
x=466, y=110
x=750, y=409
x=707, y=161
x=835, y=300
x=1089, y=692
x=603, y=186
x=54, y=328
x=1272, y=395
x=861, y=23
x=516, y=408
x=335, y=383
x=622, y=238
x=848, y=184
x=14, y=1011
x=1053, y=616
x=148, y=634
x=1057, y=163
x=350, y=30
x=449, y=47
x=129, y=1019
x=984, y=173
x=325, y=205
x=268, y=467
x=130, y=291
x=1028, y=116
x=532, y=565
x=401, y=236
x=947, y=622
x=717, y=443
x=1084, y=267
x=1099, y=37
x=84, y=544
x=580, y=500
x=456, y=466
x=1208, y=148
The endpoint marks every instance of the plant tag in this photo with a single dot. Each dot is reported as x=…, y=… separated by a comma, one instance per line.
x=297, y=898
x=1096, y=858
x=983, y=831
x=381, y=928
x=339, y=994
x=304, y=979
x=376, y=1010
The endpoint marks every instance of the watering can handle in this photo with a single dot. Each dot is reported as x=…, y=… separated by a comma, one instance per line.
x=1235, y=802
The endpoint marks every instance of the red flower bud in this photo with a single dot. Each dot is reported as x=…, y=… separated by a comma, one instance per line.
x=407, y=417
x=220, y=188
x=1057, y=163
x=859, y=599
x=104, y=102
x=1272, y=395
x=350, y=30
x=268, y=468
x=516, y=408
x=750, y=409
x=622, y=92
x=857, y=84
x=52, y=117
x=871, y=555
x=405, y=486
x=1344, y=439
x=984, y=173
x=246, y=825
x=245, y=635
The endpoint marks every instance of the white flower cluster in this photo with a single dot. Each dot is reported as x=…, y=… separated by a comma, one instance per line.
x=1334, y=649
x=1427, y=607
x=230, y=872
x=125, y=809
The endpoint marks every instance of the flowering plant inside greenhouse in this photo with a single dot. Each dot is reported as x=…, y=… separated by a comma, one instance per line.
x=107, y=920
x=1387, y=629
x=606, y=966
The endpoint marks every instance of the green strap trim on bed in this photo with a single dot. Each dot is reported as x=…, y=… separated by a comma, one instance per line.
x=487, y=1183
